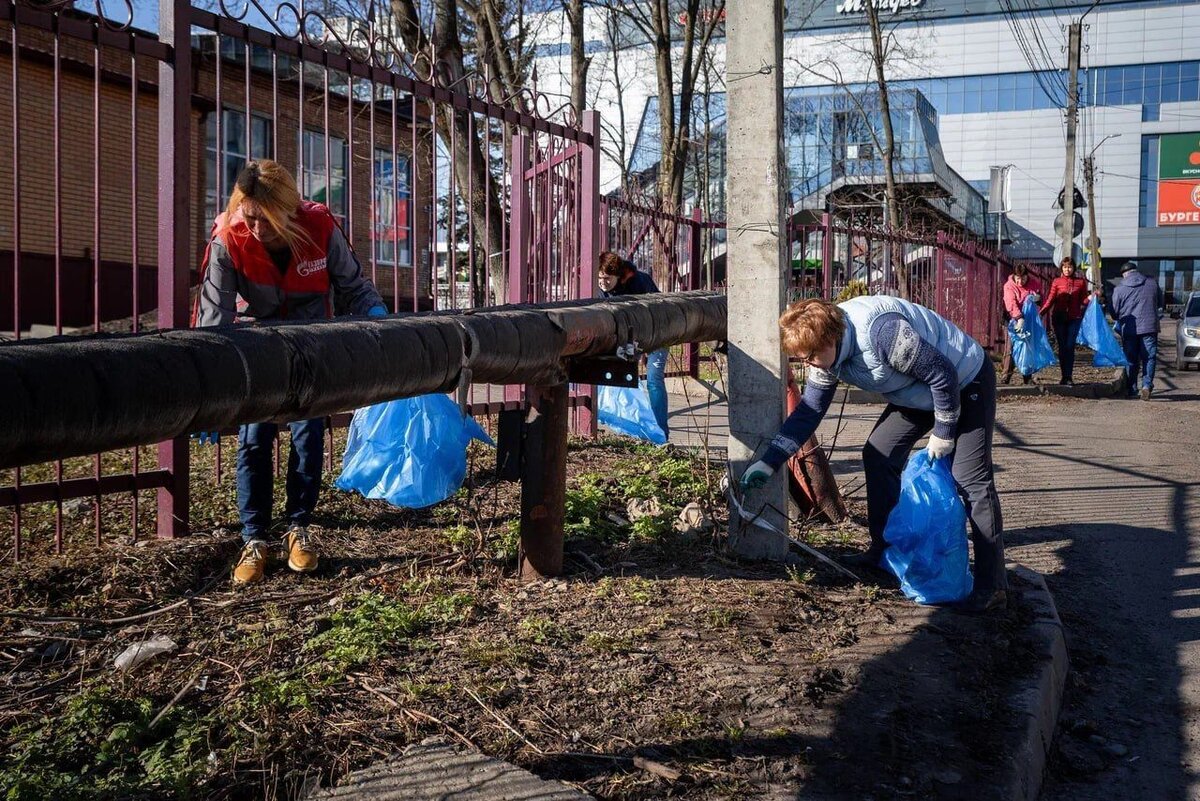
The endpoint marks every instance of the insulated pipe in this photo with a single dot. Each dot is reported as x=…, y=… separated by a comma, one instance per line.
x=72, y=396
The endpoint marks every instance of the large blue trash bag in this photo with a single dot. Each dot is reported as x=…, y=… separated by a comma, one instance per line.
x=1031, y=347
x=410, y=452
x=626, y=410
x=1096, y=334
x=927, y=534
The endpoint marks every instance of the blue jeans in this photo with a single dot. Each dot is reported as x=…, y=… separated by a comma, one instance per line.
x=1066, y=332
x=1142, y=351
x=256, y=480
x=656, y=386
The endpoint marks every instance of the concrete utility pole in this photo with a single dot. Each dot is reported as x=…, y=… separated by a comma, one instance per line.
x=1095, y=273
x=757, y=256
x=1073, y=46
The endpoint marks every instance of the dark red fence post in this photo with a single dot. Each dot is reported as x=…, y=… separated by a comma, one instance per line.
x=589, y=249
x=174, y=229
x=519, y=221
x=939, y=304
x=695, y=254
x=827, y=254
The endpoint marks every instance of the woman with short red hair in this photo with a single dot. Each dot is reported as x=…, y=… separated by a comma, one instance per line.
x=936, y=379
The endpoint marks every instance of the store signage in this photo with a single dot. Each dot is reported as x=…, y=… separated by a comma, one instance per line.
x=884, y=6
x=1179, y=179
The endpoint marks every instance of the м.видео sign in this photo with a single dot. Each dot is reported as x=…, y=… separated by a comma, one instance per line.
x=1179, y=179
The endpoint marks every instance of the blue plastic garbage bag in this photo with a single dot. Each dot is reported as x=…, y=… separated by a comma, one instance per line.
x=927, y=534
x=1031, y=347
x=626, y=410
x=410, y=452
x=1095, y=333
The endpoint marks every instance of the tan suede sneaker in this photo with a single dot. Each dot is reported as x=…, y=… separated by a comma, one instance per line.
x=300, y=555
x=251, y=563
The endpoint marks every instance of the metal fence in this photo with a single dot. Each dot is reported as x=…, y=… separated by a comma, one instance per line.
x=125, y=145
x=959, y=279
x=679, y=251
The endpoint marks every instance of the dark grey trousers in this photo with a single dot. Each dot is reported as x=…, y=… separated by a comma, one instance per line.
x=887, y=450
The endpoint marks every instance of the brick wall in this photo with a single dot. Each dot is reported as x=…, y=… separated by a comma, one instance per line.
x=118, y=201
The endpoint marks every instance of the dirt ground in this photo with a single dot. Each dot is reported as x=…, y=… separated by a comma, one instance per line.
x=1084, y=373
x=735, y=680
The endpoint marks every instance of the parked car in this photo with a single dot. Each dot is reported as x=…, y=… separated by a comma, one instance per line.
x=1187, y=334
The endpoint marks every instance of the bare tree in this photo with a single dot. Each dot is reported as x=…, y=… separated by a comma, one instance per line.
x=655, y=20
x=878, y=62
x=880, y=52
x=498, y=51
x=579, y=60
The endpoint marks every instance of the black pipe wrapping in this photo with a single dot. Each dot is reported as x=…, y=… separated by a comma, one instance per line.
x=652, y=321
x=73, y=396
x=513, y=345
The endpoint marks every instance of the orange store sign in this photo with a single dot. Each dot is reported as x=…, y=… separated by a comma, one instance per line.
x=1179, y=179
x=1178, y=202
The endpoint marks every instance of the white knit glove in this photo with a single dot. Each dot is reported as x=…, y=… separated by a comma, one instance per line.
x=1019, y=325
x=756, y=476
x=939, y=448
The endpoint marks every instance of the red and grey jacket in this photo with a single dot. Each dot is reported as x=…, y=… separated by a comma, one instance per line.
x=1068, y=298
x=240, y=281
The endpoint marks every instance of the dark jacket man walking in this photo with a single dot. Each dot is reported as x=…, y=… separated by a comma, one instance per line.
x=1135, y=304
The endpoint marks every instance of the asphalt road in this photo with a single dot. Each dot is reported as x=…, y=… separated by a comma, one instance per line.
x=1102, y=497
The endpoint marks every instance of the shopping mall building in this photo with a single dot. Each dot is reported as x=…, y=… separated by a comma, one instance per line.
x=974, y=84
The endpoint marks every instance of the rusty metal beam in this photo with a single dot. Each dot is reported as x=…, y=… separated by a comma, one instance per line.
x=543, y=481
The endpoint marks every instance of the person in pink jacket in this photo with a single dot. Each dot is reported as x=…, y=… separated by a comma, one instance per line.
x=1019, y=286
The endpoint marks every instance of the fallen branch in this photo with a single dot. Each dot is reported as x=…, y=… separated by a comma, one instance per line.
x=588, y=561
x=189, y=684
x=413, y=713
x=501, y=720
x=642, y=763
x=657, y=768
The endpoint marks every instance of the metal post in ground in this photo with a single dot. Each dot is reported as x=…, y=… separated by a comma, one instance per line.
x=174, y=227
x=543, y=481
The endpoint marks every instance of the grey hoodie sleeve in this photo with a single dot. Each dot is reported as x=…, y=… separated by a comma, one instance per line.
x=219, y=292
x=352, y=290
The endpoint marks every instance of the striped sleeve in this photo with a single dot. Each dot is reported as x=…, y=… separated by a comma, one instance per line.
x=819, y=388
x=897, y=343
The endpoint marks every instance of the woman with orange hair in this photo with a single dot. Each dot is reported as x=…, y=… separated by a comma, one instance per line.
x=937, y=381
x=274, y=256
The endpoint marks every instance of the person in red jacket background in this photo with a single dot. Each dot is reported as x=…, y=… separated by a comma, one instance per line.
x=1066, y=301
x=1019, y=286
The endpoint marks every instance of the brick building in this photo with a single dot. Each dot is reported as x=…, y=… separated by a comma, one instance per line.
x=107, y=135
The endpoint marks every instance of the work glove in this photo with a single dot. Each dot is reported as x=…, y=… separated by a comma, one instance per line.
x=939, y=448
x=756, y=476
x=1019, y=325
x=1036, y=297
x=377, y=311
x=207, y=437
